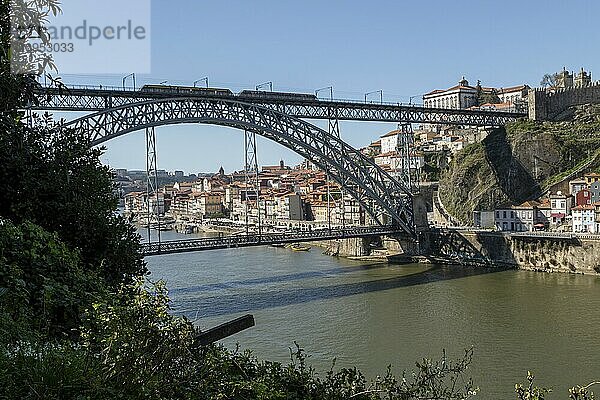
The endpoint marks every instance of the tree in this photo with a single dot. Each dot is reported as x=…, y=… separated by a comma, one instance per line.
x=486, y=96
x=550, y=81
x=53, y=178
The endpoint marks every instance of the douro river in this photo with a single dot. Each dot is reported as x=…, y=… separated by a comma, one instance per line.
x=371, y=315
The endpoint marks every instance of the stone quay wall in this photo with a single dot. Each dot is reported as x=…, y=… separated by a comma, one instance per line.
x=566, y=253
x=352, y=247
x=544, y=105
x=536, y=252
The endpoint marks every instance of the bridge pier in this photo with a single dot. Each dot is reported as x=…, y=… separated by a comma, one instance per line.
x=351, y=247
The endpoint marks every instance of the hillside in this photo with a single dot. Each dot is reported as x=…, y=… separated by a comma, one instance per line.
x=520, y=162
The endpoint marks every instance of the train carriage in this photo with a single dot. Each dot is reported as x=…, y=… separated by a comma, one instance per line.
x=185, y=90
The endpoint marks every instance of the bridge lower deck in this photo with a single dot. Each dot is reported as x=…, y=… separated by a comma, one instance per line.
x=225, y=242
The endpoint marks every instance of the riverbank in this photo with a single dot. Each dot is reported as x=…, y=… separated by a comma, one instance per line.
x=573, y=254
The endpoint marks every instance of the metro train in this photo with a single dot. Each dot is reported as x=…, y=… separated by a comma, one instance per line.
x=185, y=90
x=243, y=95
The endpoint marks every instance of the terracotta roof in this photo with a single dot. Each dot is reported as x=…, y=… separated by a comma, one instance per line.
x=545, y=203
x=437, y=91
x=392, y=133
x=529, y=204
x=583, y=207
x=512, y=89
x=388, y=154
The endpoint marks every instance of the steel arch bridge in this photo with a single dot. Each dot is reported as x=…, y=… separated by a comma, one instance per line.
x=386, y=200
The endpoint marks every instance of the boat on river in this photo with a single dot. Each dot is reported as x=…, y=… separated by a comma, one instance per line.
x=299, y=247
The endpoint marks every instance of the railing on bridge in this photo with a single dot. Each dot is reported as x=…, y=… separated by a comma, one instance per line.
x=223, y=242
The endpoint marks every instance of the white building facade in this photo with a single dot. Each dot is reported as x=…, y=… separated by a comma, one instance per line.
x=460, y=96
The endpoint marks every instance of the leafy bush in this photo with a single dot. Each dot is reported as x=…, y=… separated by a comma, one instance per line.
x=45, y=284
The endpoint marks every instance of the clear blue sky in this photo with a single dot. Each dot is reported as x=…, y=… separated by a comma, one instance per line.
x=405, y=48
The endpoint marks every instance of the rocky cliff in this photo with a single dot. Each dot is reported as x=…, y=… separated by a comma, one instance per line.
x=520, y=162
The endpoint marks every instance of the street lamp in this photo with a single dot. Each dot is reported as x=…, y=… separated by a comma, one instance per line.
x=330, y=88
x=132, y=75
x=262, y=85
x=412, y=97
x=205, y=79
x=375, y=91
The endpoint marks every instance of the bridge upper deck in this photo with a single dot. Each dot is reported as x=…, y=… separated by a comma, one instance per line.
x=93, y=99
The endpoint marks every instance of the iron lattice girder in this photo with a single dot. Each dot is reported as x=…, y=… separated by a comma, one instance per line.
x=99, y=100
x=344, y=163
x=153, y=213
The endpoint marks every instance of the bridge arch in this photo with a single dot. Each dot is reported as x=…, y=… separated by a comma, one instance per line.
x=386, y=199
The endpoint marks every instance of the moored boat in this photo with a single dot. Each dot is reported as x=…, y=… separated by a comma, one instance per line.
x=299, y=247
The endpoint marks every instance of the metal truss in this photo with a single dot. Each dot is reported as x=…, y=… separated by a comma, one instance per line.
x=408, y=154
x=251, y=176
x=390, y=200
x=62, y=99
x=223, y=242
x=334, y=130
x=153, y=213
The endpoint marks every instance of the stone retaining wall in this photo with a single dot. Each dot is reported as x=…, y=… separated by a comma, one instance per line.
x=575, y=254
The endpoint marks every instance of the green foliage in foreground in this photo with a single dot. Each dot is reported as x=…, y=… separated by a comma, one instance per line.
x=532, y=392
x=45, y=284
